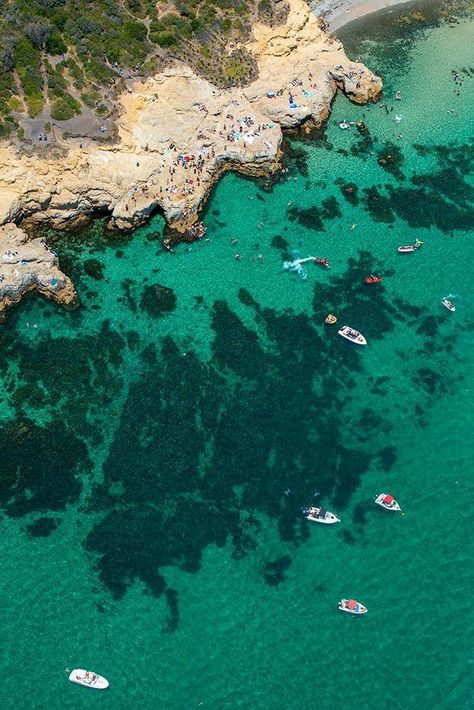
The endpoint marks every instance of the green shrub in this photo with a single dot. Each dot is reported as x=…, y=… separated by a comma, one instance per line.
x=64, y=108
x=35, y=105
x=55, y=44
x=135, y=30
x=90, y=99
x=15, y=104
x=164, y=39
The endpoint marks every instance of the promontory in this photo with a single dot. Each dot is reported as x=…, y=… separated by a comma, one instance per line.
x=176, y=132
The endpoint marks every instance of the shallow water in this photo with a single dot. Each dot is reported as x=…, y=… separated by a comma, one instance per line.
x=148, y=438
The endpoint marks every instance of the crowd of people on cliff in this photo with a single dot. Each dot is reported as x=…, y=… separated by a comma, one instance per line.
x=186, y=169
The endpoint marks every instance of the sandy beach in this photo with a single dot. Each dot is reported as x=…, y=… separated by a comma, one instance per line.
x=338, y=13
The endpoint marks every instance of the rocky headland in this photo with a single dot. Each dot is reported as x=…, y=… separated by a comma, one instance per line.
x=29, y=265
x=176, y=134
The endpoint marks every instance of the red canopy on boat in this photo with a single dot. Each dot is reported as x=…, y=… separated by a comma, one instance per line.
x=388, y=499
x=351, y=604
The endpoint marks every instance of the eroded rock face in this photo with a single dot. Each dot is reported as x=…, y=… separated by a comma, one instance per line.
x=28, y=265
x=178, y=133
x=300, y=68
x=178, y=114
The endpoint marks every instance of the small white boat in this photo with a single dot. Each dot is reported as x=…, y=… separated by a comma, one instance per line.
x=448, y=304
x=351, y=606
x=410, y=247
x=89, y=679
x=353, y=335
x=387, y=501
x=319, y=515
x=344, y=125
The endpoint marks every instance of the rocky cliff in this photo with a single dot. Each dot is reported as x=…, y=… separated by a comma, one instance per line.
x=29, y=265
x=177, y=133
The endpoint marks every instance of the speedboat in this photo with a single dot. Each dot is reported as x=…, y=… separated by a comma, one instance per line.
x=352, y=607
x=344, y=125
x=322, y=262
x=410, y=247
x=372, y=279
x=89, y=679
x=387, y=501
x=330, y=319
x=448, y=304
x=319, y=515
x=353, y=335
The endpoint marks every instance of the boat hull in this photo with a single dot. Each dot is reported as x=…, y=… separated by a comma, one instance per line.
x=345, y=331
x=380, y=501
x=92, y=680
x=331, y=521
x=450, y=306
x=357, y=612
x=409, y=247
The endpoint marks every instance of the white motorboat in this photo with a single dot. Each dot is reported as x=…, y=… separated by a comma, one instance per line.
x=351, y=606
x=353, y=335
x=387, y=501
x=344, y=125
x=448, y=304
x=319, y=515
x=89, y=679
x=410, y=247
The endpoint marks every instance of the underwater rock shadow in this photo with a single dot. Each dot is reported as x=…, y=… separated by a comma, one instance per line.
x=204, y=450
x=200, y=444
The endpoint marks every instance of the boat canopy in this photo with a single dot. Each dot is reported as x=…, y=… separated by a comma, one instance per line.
x=352, y=604
x=388, y=499
x=321, y=513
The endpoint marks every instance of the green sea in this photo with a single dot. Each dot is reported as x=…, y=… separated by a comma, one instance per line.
x=158, y=443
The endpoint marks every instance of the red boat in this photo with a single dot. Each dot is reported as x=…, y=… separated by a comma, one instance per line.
x=372, y=279
x=322, y=262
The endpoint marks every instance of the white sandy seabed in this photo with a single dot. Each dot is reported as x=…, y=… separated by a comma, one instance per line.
x=340, y=12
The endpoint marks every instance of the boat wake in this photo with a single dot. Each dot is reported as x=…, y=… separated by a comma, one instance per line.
x=296, y=266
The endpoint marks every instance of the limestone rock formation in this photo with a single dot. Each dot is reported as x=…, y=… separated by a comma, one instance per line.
x=178, y=133
x=300, y=67
x=28, y=265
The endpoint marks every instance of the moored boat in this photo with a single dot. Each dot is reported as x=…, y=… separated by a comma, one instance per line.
x=319, y=515
x=372, y=279
x=330, y=319
x=387, y=501
x=351, y=606
x=448, y=304
x=353, y=335
x=89, y=679
x=410, y=247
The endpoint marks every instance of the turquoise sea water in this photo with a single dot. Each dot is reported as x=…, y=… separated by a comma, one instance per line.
x=148, y=439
